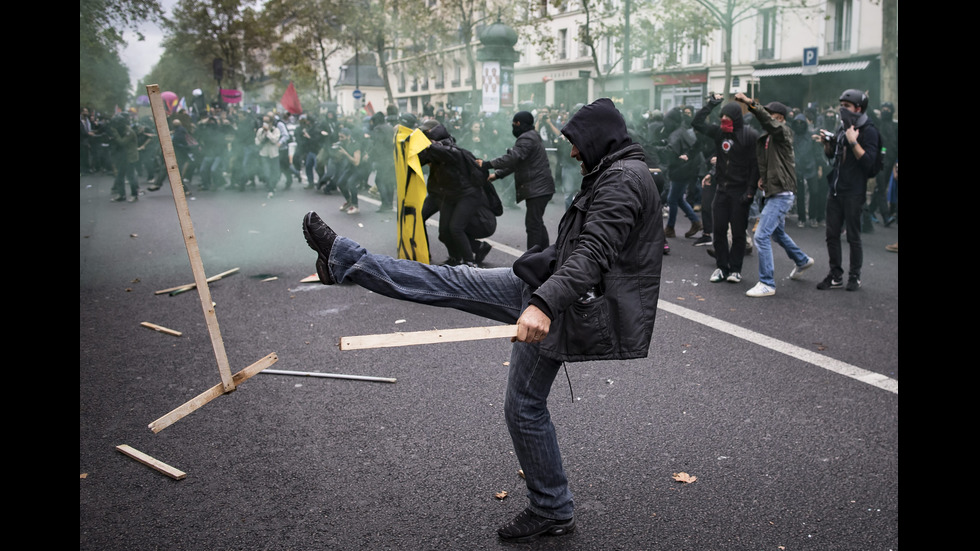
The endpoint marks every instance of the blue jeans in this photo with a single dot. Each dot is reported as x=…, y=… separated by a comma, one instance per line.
x=675, y=199
x=772, y=227
x=499, y=295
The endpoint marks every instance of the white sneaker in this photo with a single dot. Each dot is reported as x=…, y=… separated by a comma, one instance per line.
x=797, y=272
x=734, y=277
x=717, y=276
x=353, y=210
x=760, y=290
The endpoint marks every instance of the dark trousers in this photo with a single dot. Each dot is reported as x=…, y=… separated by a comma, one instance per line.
x=707, y=197
x=844, y=213
x=455, y=218
x=537, y=233
x=729, y=209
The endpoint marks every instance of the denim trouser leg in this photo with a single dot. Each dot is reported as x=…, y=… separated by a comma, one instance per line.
x=500, y=295
x=675, y=200
x=532, y=432
x=491, y=293
x=772, y=227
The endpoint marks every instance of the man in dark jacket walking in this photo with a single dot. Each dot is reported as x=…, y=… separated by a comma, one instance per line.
x=592, y=295
x=735, y=180
x=528, y=162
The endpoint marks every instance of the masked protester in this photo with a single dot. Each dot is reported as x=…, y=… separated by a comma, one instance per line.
x=528, y=162
x=735, y=181
x=590, y=296
x=855, y=150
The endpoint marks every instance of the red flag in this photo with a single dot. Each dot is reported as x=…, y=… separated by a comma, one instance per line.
x=290, y=100
x=369, y=108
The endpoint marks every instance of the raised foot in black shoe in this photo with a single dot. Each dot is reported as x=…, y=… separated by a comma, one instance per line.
x=320, y=238
x=528, y=526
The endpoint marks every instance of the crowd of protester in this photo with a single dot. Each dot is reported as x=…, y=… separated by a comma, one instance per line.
x=228, y=147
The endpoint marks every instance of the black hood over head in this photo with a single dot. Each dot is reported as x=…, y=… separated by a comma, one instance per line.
x=597, y=130
x=434, y=130
x=734, y=111
x=673, y=120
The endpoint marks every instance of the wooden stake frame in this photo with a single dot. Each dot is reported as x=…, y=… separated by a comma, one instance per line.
x=228, y=381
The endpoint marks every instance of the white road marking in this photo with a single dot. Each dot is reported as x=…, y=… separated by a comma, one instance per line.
x=819, y=360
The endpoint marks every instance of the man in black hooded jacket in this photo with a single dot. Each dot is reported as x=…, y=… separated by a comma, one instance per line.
x=590, y=296
x=735, y=180
x=528, y=162
x=457, y=185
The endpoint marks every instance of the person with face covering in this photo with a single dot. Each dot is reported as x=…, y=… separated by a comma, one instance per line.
x=592, y=295
x=735, y=181
x=456, y=185
x=528, y=162
x=854, y=149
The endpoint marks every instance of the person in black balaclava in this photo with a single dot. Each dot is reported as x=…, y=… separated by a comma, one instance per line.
x=455, y=187
x=735, y=181
x=854, y=148
x=591, y=296
x=528, y=162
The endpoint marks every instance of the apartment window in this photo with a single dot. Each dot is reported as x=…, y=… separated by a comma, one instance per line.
x=562, y=43
x=841, y=26
x=583, y=48
x=695, y=57
x=767, y=33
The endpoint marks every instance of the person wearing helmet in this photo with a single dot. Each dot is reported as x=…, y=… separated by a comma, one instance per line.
x=854, y=151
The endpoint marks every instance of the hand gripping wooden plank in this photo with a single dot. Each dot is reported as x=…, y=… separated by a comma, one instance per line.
x=427, y=337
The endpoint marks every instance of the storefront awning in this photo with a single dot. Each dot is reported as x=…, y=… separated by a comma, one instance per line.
x=824, y=68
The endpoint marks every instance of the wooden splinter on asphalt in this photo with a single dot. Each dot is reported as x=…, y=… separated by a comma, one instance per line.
x=228, y=381
x=427, y=337
x=149, y=461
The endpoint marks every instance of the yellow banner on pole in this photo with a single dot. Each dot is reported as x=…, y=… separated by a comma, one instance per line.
x=413, y=242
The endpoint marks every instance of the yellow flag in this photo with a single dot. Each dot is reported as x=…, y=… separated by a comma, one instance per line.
x=413, y=242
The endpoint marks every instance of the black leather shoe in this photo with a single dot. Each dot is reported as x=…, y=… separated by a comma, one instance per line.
x=320, y=238
x=528, y=526
x=482, y=253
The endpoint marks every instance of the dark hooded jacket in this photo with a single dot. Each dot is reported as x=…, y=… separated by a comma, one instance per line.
x=677, y=139
x=452, y=172
x=528, y=162
x=602, y=296
x=736, y=168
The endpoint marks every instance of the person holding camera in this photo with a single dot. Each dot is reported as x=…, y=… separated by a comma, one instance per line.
x=267, y=140
x=854, y=148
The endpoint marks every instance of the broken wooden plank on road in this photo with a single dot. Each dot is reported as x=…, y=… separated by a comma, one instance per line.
x=160, y=328
x=149, y=461
x=190, y=286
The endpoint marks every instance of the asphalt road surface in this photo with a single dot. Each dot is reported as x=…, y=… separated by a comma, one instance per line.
x=782, y=410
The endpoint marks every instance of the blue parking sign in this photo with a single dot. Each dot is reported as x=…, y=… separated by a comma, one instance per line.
x=809, y=61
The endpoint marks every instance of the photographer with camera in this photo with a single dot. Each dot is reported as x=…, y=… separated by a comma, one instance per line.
x=855, y=150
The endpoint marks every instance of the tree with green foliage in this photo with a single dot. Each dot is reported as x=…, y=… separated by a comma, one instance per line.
x=200, y=31
x=103, y=79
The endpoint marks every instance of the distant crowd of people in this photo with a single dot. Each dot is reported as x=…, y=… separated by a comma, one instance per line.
x=706, y=162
